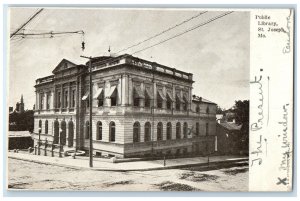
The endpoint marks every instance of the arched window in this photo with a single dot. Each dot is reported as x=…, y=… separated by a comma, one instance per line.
x=56, y=132
x=198, y=109
x=112, y=131
x=136, y=132
x=197, y=129
x=159, y=131
x=40, y=126
x=63, y=133
x=147, y=137
x=178, y=130
x=71, y=133
x=46, y=127
x=99, y=130
x=185, y=130
x=169, y=131
x=87, y=130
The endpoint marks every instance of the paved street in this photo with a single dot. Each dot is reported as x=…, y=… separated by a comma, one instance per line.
x=29, y=175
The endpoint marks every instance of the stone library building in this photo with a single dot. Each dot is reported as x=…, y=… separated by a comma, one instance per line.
x=139, y=109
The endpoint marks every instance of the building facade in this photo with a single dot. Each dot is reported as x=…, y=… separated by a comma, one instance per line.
x=139, y=108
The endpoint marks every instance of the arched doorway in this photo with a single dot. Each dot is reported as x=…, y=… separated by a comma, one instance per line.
x=87, y=130
x=159, y=131
x=112, y=131
x=63, y=133
x=71, y=134
x=147, y=137
x=56, y=132
x=136, y=132
x=178, y=130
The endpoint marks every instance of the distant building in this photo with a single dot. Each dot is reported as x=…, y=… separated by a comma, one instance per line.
x=19, y=119
x=20, y=106
x=229, y=138
x=139, y=108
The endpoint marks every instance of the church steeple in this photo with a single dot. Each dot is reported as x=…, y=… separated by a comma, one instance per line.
x=21, y=104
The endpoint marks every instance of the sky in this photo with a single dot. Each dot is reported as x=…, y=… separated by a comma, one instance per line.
x=217, y=54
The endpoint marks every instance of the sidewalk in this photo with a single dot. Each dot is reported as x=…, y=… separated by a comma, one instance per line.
x=80, y=163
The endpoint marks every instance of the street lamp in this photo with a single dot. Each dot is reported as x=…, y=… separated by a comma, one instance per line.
x=39, y=143
x=60, y=136
x=90, y=107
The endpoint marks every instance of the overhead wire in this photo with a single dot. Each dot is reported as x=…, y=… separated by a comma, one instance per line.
x=164, y=31
x=175, y=36
x=27, y=22
x=184, y=32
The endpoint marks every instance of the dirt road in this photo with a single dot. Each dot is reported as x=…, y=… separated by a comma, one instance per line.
x=29, y=175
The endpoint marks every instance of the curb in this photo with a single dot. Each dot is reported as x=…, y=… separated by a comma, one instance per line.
x=201, y=165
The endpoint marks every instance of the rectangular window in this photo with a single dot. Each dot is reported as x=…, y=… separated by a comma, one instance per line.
x=136, y=102
x=100, y=102
x=58, y=99
x=73, y=98
x=48, y=101
x=169, y=104
x=42, y=101
x=147, y=102
x=113, y=94
x=66, y=99
x=148, y=97
x=177, y=105
x=206, y=129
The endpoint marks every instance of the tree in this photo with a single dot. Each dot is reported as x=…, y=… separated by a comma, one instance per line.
x=21, y=121
x=241, y=110
x=219, y=110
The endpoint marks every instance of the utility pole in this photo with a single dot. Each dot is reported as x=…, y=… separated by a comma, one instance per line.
x=11, y=35
x=91, y=110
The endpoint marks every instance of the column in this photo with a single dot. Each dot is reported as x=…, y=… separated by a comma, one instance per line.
x=164, y=103
x=94, y=101
x=36, y=101
x=46, y=100
x=107, y=101
x=130, y=90
x=154, y=95
x=123, y=90
x=77, y=94
x=181, y=104
x=174, y=96
x=119, y=90
x=142, y=100
x=54, y=98
x=61, y=96
x=190, y=100
x=69, y=96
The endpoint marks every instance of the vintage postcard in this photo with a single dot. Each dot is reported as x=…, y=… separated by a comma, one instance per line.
x=140, y=99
